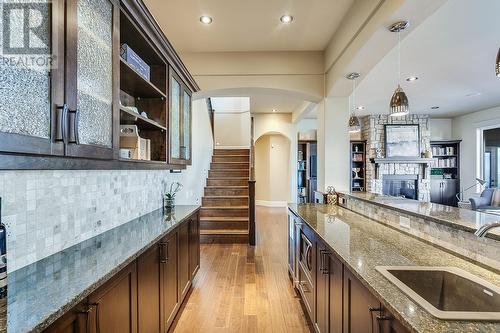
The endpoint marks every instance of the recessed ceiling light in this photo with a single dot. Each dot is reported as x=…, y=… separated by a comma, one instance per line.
x=434, y=107
x=274, y=110
x=412, y=78
x=473, y=94
x=205, y=19
x=361, y=107
x=286, y=19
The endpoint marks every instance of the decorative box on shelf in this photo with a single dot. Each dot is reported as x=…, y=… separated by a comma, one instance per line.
x=135, y=61
x=140, y=149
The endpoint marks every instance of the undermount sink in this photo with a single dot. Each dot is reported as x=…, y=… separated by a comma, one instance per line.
x=447, y=292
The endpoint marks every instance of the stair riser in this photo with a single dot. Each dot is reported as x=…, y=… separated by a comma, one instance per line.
x=229, y=166
x=228, y=173
x=227, y=182
x=224, y=239
x=227, y=225
x=229, y=201
x=225, y=191
x=223, y=158
x=231, y=152
x=214, y=212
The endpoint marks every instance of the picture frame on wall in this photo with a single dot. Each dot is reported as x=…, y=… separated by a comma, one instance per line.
x=402, y=140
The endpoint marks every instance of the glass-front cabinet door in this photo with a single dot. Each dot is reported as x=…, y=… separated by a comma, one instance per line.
x=90, y=64
x=179, y=121
x=31, y=72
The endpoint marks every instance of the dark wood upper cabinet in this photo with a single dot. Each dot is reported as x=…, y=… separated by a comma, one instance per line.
x=75, y=105
x=32, y=96
x=179, y=121
x=92, y=53
x=113, y=307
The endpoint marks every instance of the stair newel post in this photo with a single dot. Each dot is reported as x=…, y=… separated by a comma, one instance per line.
x=251, y=188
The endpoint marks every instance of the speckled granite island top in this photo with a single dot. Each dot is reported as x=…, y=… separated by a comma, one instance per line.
x=362, y=244
x=464, y=219
x=41, y=292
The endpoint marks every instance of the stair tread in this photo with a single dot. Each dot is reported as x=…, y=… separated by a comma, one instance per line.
x=225, y=196
x=226, y=186
x=224, y=218
x=224, y=207
x=223, y=232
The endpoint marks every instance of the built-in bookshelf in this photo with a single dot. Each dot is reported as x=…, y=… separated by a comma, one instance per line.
x=445, y=172
x=306, y=171
x=358, y=166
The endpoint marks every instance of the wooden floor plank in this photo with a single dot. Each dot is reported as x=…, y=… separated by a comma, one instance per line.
x=245, y=289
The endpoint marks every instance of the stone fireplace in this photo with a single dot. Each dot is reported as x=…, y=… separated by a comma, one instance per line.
x=418, y=173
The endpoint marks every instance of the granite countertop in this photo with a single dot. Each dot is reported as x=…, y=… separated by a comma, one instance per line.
x=464, y=219
x=40, y=293
x=362, y=244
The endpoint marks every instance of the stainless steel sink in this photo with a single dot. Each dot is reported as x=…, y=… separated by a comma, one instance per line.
x=447, y=292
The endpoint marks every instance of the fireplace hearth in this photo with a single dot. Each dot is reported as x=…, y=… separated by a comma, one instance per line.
x=405, y=186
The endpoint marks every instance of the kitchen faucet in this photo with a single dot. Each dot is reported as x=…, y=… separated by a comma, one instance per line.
x=484, y=229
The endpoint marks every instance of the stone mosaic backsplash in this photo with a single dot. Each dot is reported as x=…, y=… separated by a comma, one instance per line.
x=482, y=250
x=48, y=211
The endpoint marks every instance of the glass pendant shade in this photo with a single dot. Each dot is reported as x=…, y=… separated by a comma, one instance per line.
x=354, y=124
x=399, y=103
x=497, y=67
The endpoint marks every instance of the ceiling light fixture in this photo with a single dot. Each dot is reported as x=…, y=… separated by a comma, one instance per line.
x=412, y=78
x=286, y=19
x=274, y=110
x=354, y=125
x=434, y=107
x=399, y=102
x=361, y=107
x=206, y=19
x=497, y=67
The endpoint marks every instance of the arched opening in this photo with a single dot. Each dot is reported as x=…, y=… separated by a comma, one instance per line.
x=272, y=169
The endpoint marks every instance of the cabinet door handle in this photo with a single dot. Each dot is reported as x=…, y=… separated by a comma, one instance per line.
x=74, y=119
x=163, y=252
x=61, y=123
x=383, y=323
x=326, y=268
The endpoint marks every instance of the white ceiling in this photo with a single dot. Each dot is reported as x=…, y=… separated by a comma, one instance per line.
x=248, y=25
x=453, y=53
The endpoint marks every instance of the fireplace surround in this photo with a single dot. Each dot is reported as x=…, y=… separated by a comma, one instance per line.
x=405, y=186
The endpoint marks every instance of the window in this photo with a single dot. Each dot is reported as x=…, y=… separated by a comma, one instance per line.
x=490, y=156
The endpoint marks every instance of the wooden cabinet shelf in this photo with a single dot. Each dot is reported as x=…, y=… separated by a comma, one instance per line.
x=134, y=84
x=140, y=121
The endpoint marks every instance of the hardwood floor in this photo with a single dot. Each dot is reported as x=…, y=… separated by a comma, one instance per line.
x=240, y=289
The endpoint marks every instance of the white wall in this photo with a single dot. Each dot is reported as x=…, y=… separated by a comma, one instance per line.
x=466, y=128
x=440, y=128
x=232, y=130
x=333, y=144
x=272, y=170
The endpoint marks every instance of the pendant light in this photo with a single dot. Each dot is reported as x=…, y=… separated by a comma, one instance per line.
x=497, y=67
x=399, y=102
x=354, y=125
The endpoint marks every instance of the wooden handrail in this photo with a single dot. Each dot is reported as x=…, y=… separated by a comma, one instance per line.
x=251, y=188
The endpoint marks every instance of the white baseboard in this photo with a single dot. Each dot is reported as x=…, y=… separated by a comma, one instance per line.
x=232, y=147
x=267, y=203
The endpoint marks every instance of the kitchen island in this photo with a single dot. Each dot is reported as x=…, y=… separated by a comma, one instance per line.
x=343, y=239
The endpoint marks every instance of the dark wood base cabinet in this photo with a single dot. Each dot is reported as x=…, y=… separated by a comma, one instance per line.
x=146, y=296
x=336, y=301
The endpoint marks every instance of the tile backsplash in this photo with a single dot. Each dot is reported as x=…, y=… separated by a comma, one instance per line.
x=48, y=211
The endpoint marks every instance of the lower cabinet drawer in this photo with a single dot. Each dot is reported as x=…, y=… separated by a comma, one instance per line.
x=306, y=290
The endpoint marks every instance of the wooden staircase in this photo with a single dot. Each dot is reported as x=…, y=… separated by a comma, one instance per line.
x=224, y=209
